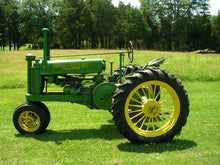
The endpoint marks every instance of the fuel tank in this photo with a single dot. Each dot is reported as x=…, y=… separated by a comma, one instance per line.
x=83, y=66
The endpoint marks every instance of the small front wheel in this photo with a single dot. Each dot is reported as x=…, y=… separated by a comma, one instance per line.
x=151, y=106
x=30, y=118
x=46, y=111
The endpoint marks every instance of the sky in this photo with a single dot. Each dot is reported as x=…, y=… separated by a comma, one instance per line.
x=214, y=4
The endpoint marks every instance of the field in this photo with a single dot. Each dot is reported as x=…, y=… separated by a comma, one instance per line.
x=78, y=135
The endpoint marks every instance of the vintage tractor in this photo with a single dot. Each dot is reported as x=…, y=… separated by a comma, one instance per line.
x=149, y=105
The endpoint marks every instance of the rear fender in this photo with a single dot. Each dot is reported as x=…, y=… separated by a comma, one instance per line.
x=156, y=63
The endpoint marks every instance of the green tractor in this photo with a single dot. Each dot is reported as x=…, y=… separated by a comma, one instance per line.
x=149, y=105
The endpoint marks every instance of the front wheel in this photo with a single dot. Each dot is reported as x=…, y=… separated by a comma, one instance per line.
x=151, y=106
x=31, y=118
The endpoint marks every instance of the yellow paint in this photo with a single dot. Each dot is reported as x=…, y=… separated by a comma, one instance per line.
x=145, y=115
x=29, y=121
x=76, y=66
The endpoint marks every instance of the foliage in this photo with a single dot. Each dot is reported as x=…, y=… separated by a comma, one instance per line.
x=9, y=24
x=35, y=15
x=215, y=35
x=181, y=25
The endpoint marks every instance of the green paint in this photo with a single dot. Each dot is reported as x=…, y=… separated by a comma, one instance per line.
x=82, y=80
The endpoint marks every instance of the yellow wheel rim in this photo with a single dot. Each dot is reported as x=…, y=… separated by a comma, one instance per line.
x=152, y=108
x=29, y=121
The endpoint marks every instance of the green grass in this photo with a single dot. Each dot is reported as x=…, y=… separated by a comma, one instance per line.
x=186, y=66
x=78, y=135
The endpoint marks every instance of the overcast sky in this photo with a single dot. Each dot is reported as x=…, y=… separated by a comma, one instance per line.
x=214, y=4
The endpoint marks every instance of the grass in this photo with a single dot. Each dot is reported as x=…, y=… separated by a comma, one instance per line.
x=186, y=66
x=78, y=135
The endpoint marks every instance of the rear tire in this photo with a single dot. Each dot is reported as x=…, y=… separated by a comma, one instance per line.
x=151, y=106
x=126, y=70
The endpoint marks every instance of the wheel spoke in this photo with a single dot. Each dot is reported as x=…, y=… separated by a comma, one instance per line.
x=150, y=91
x=135, y=111
x=163, y=120
x=166, y=105
x=144, y=93
x=164, y=95
x=143, y=122
x=158, y=94
x=148, y=124
x=153, y=124
x=24, y=118
x=35, y=124
x=30, y=120
x=158, y=122
x=168, y=110
x=165, y=115
x=154, y=91
x=136, y=101
x=137, y=106
x=25, y=122
x=140, y=120
x=165, y=100
x=136, y=115
x=140, y=96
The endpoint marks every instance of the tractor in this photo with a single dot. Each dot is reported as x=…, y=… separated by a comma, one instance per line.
x=148, y=104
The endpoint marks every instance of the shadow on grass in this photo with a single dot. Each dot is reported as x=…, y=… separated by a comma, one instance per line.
x=107, y=132
x=174, y=145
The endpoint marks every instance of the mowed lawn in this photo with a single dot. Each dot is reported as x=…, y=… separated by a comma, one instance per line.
x=78, y=135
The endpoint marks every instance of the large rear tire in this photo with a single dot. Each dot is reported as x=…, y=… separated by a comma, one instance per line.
x=126, y=71
x=151, y=106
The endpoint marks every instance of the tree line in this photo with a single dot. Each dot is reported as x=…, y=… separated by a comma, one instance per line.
x=173, y=25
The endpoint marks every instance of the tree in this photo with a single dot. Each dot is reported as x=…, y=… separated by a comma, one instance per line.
x=35, y=15
x=9, y=23
x=69, y=24
x=129, y=25
x=175, y=20
x=105, y=19
x=215, y=35
x=149, y=9
x=158, y=24
x=2, y=26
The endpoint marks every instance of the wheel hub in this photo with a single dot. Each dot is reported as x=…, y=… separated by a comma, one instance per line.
x=152, y=108
x=29, y=122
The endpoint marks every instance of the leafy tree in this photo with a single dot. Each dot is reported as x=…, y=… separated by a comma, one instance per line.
x=69, y=25
x=105, y=18
x=9, y=23
x=215, y=35
x=121, y=26
x=175, y=20
x=35, y=15
x=2, y=26
x=158, y=24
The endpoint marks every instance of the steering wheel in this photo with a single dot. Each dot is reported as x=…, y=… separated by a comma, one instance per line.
x=130, y=52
